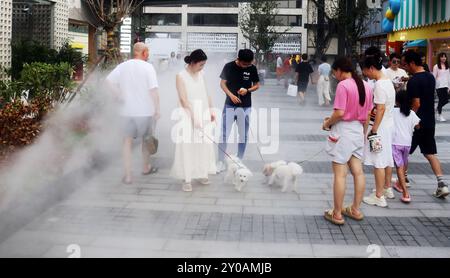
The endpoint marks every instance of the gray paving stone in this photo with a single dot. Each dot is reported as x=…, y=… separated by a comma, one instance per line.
x=154, y=218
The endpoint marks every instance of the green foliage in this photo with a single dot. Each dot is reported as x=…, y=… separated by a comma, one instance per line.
x=10, y=91
x=27, y=52
x=70, y=55
x=258, y=25
x=52, y=80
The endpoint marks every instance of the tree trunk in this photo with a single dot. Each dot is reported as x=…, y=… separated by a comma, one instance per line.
x=351, y=41
x=341, y=28
x=320, y=43
x=112, y=52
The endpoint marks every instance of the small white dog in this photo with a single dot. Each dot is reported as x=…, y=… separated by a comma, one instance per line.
x=237, y=173
x=269, y=168
x=283, y=174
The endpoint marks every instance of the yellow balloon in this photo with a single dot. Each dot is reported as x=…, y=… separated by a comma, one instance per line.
x=390, y=15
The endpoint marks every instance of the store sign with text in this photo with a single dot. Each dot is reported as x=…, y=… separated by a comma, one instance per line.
x=125, y=36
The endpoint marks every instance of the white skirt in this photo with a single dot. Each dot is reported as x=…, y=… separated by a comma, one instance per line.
x=194, y=153
x=384, y=158
x=345, y=139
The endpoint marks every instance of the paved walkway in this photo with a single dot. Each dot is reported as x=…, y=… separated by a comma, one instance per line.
x=154, y=218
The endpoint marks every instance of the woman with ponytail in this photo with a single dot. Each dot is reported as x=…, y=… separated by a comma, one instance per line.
x=345, y=142
x=378, y=149
x=194, y=150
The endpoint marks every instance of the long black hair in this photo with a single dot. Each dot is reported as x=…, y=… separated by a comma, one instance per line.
x=403, y=102
x=345, y=65
x=372, y=58
x=442, y=54
x=195, y=57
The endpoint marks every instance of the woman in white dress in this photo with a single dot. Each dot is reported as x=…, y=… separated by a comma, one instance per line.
x=380, y=129
x=194, y=150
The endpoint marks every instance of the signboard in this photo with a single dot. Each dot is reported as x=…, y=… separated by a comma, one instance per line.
x=288, y=44
x=212, y=42
x=125, y=36
x=161, y=48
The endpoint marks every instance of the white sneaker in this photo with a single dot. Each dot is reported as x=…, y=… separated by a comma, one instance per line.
x=220, y=167
x=442, y=191
x=441, y=118
x=373, y=200
x=387, y=192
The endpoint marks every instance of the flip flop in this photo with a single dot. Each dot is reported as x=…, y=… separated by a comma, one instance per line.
x=406, y=200
x=347, y=211
x=152, y=170
x=329, y=215
x=397, y=187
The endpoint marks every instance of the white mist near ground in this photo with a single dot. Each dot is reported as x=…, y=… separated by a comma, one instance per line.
x=62, y=148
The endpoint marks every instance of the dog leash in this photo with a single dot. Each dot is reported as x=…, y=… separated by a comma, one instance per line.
x=312, y=157
x=218, y=146
x=257, y=145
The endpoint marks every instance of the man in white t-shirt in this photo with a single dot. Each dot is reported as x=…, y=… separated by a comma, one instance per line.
x=397, y=75
x=136, y=86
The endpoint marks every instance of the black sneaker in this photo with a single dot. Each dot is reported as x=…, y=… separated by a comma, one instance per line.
x=441, y=191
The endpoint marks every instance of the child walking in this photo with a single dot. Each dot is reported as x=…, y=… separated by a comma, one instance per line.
x=405, y=121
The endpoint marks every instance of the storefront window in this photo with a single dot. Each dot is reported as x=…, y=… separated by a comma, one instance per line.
x=230, y=20
x=288, y=20
x=439, y=46
x=174, y=35
x=215, y=5
x=289, y=4
x=163, y=19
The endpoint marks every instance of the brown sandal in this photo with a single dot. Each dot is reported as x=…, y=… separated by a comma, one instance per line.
x=329, y=215
x=347, y=211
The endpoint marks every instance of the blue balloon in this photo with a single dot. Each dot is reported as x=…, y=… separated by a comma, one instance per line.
x=387, y=25
x=395, y=6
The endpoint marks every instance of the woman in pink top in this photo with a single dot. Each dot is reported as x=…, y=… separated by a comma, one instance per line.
x=345, y=142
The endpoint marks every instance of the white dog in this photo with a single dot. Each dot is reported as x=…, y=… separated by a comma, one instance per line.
x=284, y=175
x=269, y=168
x=237, y=173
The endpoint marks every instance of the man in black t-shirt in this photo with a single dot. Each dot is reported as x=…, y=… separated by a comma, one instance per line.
x=421, y=89
x=238, y=80
x=303, y=71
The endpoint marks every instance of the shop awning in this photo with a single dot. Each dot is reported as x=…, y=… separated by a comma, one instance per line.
x=420, y=13
x=416, y=43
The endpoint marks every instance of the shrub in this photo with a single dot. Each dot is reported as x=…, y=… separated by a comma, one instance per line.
x=27, y=52
x=20, y=117
x=21, y=123
x=53, y=81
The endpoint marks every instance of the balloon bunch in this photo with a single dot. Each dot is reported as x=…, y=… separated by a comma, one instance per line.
x=392, y=11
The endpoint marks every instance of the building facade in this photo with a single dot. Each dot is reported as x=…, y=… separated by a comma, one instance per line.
x=215, y=27
x=44, y=21
x=5, y=35
x=423, y=26
x=312, y=24
x=374, y=35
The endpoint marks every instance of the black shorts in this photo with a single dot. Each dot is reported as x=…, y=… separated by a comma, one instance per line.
x=302, y=86
x=424, y=138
